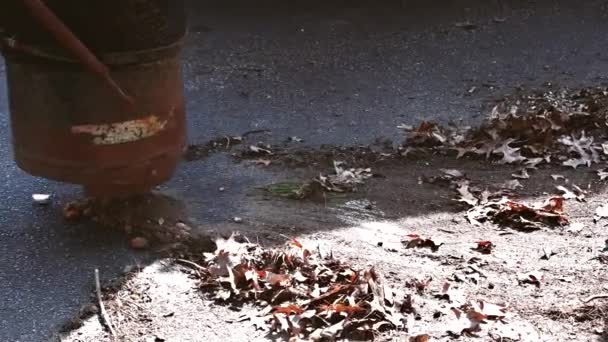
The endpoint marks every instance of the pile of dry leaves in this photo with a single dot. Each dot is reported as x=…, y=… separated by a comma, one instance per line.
x=570, y=127
x=302, y=293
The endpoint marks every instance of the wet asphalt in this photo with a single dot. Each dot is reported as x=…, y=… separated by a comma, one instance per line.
x=346, y=73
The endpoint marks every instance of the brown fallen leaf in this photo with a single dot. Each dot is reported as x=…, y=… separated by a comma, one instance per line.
x=420, y=338
x=274, y=279
x=294, y=242
x=419, y=283
x=259, y=150
x=342, y=308
x=290, y=309
x=603, y=174
x=454, y=295
x=484, y=247
x=464, y=323
x=534, y=278
x=523, y=174
x=417, y=242
x=489, y=310
x=567, y=194
x=263, y=162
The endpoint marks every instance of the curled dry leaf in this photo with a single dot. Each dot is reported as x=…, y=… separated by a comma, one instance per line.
x=415, y=241
x=452, y=293
x=344, y=180
x=510, y=155
x=343, y=308
x=428, y=134
x=263, y=162
x=523, y=174
x=419, y=283
x=465, y=194
x=484, y=247
x=603, y=174
x=420, y=338
x=294, y=242
x=290, y=309
x=567, y=194
x=601, y=212
x=259, y=150
x=452, y=173
x=582, y=147
x=534, y=278
x=463, y=323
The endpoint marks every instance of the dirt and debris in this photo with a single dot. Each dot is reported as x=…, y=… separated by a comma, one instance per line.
x=149, y=221
x=473, y=280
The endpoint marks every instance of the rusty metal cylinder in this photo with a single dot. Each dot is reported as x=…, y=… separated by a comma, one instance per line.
x=67, y=123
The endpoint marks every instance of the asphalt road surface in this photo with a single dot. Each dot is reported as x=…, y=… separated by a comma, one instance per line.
x=334, y=72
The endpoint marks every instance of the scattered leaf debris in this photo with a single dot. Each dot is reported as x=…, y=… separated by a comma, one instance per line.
x=564, y=125
x=520, y=215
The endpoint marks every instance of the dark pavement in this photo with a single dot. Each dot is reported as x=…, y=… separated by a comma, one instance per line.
x=341, y=73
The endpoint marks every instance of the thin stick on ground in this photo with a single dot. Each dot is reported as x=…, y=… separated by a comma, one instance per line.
x=592, y=298
x=191, y=264
x=102, y=309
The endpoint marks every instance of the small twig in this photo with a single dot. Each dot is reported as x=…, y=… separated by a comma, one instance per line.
x=102, y=308
x=592, y=298
x=190, y=263
x=227, y=142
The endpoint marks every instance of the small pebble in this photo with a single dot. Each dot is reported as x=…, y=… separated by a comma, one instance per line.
x=237, y=219
x=139, y=243
x=222, y=189
x=41, y=199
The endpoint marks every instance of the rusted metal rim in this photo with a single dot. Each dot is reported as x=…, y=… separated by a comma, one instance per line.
x=11, y=46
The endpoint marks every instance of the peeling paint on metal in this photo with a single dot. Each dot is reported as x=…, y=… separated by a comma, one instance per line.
x=122, y=132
